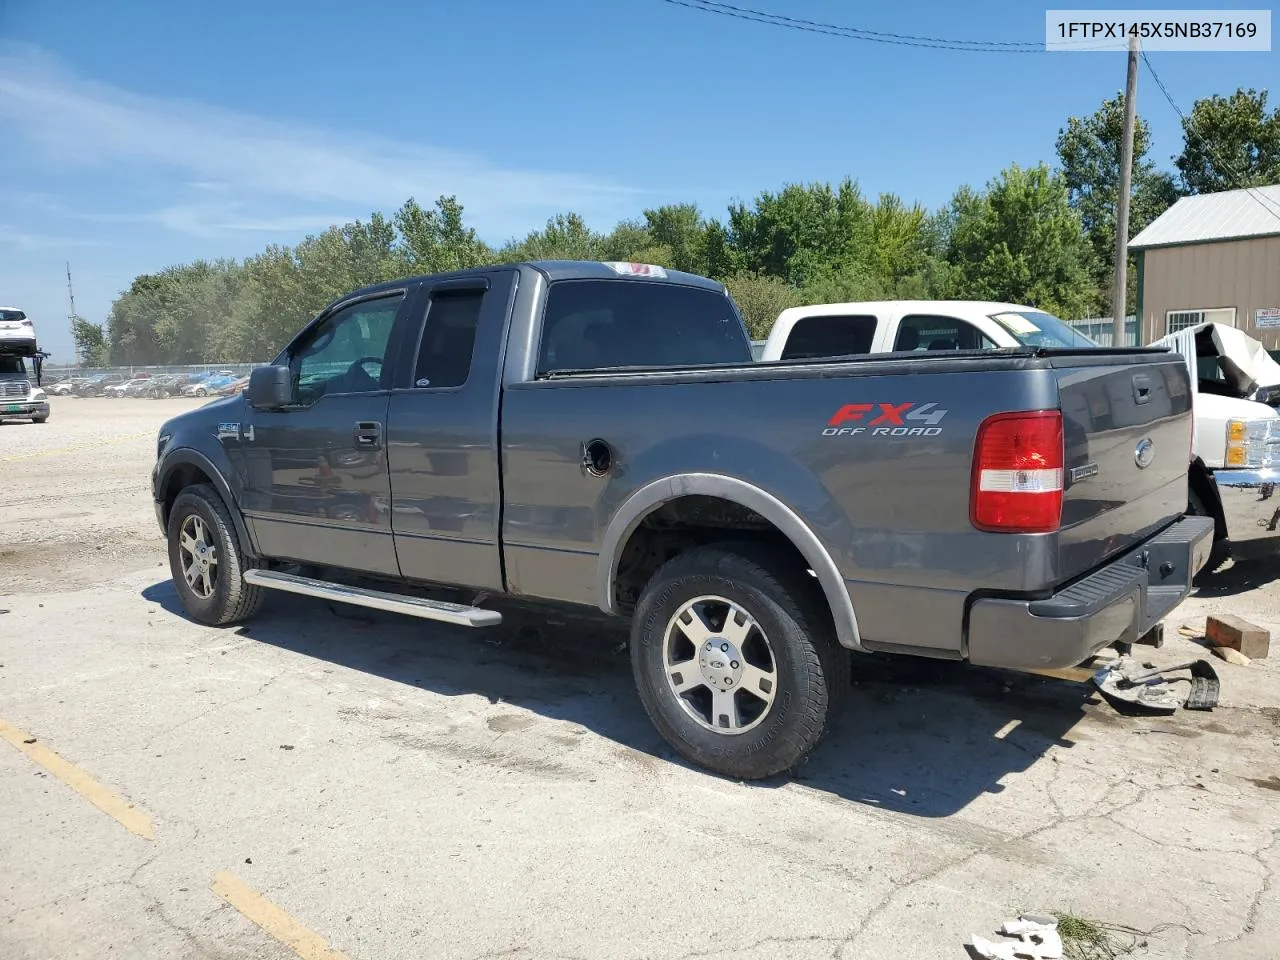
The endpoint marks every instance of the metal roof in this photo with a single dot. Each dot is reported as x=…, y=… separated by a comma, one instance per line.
x=1229, y=215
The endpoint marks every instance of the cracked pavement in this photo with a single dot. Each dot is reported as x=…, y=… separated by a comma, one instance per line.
x=410, y=790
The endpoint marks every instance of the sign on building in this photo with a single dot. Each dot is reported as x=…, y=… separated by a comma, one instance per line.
x=1265, y=317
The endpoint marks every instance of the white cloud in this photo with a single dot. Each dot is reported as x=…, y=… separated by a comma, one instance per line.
x=28, y=240
x=281, y=168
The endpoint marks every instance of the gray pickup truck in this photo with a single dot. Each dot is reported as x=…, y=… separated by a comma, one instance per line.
x=598, y=435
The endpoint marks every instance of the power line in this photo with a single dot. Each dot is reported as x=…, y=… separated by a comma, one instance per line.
x=1235, y=178
x=858, y=33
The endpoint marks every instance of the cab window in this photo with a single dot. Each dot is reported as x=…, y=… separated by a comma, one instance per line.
x=603, y=324
x=831, y=336
x=921, y=332
x=344, y=352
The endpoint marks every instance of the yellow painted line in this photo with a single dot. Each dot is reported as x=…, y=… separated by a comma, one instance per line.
x=132, y=818
x=77, y=447
x=253, y=905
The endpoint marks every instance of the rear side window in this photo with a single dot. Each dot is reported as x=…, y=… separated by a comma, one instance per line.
x=448, y=339
x=922, y=332
x=829, y=337
x=603, y=324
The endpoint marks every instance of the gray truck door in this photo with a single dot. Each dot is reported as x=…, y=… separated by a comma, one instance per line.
x=443, y=433
x=316, y=483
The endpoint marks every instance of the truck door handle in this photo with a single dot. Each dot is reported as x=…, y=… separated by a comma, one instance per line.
x=368, y=435
x=1141, y=388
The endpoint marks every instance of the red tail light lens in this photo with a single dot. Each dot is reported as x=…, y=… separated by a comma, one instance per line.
x=1017, y=473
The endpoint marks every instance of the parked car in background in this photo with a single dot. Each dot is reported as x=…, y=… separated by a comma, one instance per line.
x=122, y=389
x=207, y=387
x=17, y=333
x=97, y=385
x=234, y=387
x=137, y=387
x=64, y=387
x=166, y=385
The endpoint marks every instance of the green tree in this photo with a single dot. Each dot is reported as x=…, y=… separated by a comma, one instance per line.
x=1230, y=142
x=1020, y=241
x=1089, y=150
x=681, y=231
x=438, y=240
x=91, y=342
x=760, y=299
x=800, y=231
x=565, y=237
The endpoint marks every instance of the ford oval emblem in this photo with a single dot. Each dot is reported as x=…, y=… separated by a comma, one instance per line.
x=1144, y=453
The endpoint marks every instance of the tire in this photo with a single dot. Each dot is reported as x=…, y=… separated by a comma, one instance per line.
x=810, y=673
x=202, y=392
x=1220, y=553
x=229, y=598
x=44, y=419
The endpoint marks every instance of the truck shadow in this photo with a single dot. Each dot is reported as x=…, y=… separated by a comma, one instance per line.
x=925, y=738
x=1240, y=576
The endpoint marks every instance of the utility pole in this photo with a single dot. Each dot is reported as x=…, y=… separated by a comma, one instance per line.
x=71, y=294
x=1118, y=298
x=71, y=317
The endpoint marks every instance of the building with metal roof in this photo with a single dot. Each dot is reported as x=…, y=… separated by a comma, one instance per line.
x=1213, y=257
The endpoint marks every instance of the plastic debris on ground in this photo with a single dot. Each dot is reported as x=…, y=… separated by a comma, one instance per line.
x=1033, y=936
x=1151, y=690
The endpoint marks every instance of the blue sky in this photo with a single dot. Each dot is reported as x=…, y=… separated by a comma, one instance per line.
x=140, y=134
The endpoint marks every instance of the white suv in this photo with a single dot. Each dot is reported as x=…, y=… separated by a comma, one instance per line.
x=17, y=334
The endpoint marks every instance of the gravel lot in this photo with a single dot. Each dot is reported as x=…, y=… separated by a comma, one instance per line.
x=325, y=782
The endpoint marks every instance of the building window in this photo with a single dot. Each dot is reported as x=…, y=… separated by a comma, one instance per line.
x=1176, y=320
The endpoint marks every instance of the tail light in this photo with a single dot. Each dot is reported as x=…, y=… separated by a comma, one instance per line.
x=1017, y=473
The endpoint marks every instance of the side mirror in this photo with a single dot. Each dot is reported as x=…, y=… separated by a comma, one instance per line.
x=269, y=388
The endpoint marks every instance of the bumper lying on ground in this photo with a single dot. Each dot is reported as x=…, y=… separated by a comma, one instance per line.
x=1115, y=604
x=1251, y=506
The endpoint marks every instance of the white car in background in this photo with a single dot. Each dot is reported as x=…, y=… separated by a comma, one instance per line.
x=17, y=333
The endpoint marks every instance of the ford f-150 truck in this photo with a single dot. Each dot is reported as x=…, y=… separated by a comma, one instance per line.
x=599, y=435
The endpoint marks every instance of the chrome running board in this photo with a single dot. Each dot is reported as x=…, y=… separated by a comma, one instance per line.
x=440, y=610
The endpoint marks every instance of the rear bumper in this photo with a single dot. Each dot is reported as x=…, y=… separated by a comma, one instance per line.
x=1117, y=603
x=1251, y=507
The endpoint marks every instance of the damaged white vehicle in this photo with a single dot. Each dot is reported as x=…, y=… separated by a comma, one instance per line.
x=1236, y=443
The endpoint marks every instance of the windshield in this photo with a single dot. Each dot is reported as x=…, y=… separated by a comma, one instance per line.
x=1035, y=328
x=12, y=365
x=12, y=315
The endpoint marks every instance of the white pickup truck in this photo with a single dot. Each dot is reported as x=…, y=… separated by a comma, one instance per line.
x=1236, y=448
x=1236, y=443
x=899, y=326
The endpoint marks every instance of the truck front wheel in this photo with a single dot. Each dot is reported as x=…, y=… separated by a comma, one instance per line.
x=206, y=561
x=736, y=661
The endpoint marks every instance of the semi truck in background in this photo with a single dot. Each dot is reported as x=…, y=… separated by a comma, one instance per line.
x=21, y=363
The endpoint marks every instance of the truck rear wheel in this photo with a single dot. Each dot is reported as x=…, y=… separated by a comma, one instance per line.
x=735, y=660
x=206, y=561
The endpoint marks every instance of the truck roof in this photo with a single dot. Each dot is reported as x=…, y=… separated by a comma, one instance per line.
x=552, y=270
x=949, y=306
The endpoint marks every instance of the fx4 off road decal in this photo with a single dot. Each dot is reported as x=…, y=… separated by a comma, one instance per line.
x=886, y=420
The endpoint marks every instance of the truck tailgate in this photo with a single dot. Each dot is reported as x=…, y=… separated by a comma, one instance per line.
x=1127, y=423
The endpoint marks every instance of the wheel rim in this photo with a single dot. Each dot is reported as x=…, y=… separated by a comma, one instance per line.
x=198, y=556
x=719, y=665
